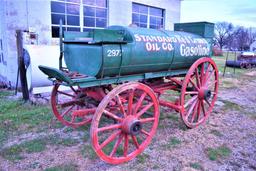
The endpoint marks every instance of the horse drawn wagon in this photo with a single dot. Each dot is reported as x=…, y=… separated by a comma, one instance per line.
x=116, y=76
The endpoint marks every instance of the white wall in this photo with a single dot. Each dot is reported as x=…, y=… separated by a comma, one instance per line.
x=3, y=62
x=23, y=14
x=120, y=11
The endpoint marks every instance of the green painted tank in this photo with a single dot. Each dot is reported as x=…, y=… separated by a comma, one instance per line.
x=121, y=50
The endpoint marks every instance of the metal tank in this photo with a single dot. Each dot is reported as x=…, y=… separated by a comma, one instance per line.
x=122, y=51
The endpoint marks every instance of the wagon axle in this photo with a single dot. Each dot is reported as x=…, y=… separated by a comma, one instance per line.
x=204, y=94
x=131, y=125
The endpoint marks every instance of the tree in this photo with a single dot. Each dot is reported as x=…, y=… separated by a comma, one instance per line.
x=242, y=38
x=223, y=34
x=252, y=36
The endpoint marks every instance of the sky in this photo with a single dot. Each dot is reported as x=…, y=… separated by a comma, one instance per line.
x=238, y=12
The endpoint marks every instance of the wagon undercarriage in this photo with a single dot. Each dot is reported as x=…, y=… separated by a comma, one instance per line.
x=124, y=117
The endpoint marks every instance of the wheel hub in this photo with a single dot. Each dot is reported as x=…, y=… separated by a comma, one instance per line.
x=207, y=94
x=131, y=125
x=204, y=94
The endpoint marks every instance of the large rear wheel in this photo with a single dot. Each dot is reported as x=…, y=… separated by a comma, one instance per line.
x=124, y=122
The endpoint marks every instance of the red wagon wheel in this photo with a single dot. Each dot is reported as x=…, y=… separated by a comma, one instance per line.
x=124, y=122
x=199, y=92
x=66, y=101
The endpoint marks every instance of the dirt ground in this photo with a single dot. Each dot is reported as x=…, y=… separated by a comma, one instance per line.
x=227, y=141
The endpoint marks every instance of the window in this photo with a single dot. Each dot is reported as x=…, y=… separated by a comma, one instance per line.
x=146, y=16
x=78, y=15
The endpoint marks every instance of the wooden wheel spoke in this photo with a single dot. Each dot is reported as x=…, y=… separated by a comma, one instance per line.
x=193, y=84
x=126, y=144
x=147, y=120
x=118, y=142
x=191, y=92
x=209, y=76
x=138, y=105
x=194, y=111
x=73, y=118
x=67, y=111
x=144, y=110
x=145, y=132
x=135, y=142
x=212, y=83
x=106, y=128
x=72, y=88
x=197, y=78
x=69, y=103
x=207, y=101
x=198, y=110
x=112, y=115
x=202, y=74
x=121, y=106
x=64, y=93
x=190, y=101
x=109, y=139
x=206, y=73
x=191, y=108
x=130, y=102
x=203, y=108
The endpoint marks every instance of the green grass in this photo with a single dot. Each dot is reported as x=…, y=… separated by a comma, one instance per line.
x=220, y=62
x=142, y=158
x=3, y=136
x=228, y=84
x=183, y=127
x=156, y=167
x=231, y=106
x=57, y=140
x=17, y=117
x=5, y=93
x=88, y=152
x=216, y=133
x=196, y=166
x=170, y=116
x=172, y=143
x=65, y=167
x=14, y=153
x=19, y=113
x=218, y=153
x=34, y=146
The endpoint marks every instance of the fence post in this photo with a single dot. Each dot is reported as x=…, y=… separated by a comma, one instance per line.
x=21, y=65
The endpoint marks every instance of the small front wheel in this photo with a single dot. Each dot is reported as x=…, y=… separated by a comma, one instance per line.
x=124, y=122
